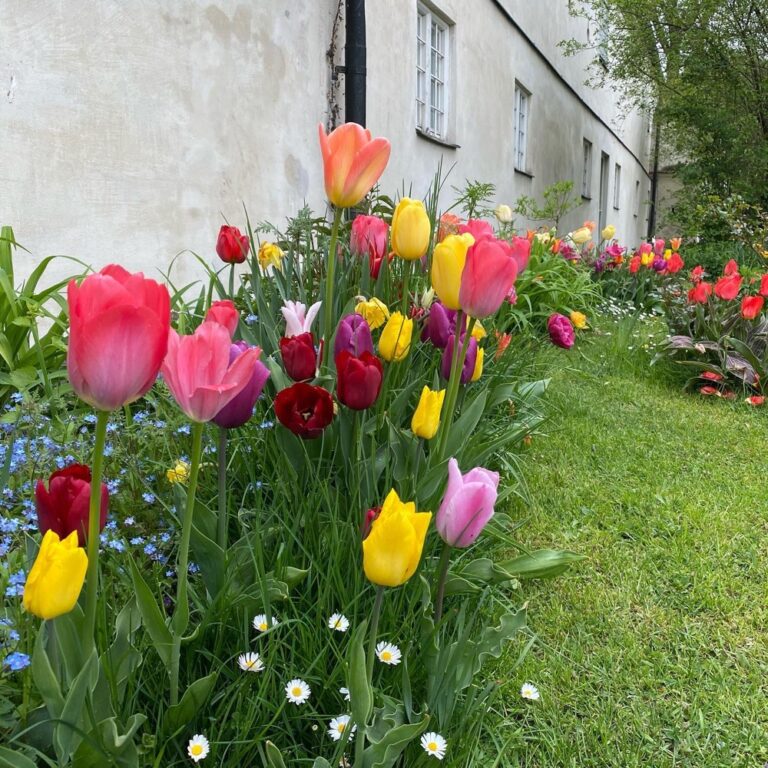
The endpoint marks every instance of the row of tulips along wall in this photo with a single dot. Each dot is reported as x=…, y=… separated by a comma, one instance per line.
x=357, y=484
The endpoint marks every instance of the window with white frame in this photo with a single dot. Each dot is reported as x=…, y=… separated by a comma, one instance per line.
x=522, y=109
x=586, y=176
x=432, y=49
x=616, y=186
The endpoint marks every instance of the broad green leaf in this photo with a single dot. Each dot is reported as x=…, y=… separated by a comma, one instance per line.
x=45, y=679
x=9, y=758
x=152, y=616
x=541, y=564
x=360, y=691
x=384, y=753
x=321, y=762
x=191, y=702
x=68, y=732
x=274, y=758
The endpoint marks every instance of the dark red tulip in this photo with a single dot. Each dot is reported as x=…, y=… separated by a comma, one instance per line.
x=299, y=356
x=232, y=246
x=359, y=379
x=63, y=506
x=304, y=409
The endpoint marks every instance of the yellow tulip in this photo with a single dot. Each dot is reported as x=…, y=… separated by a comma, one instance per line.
x=56, y=577
x=410, y=229
x=448, y=262
x=179, y=473
x=478, y=371
x=581, y=235
x=646, y=258
x=667, y=254
x=392, y=550
x=271, y=255
x=579, y=320
x=374, y=311
x=478, y=332
x=395, y=340
x=426, y=417
x=608, y=232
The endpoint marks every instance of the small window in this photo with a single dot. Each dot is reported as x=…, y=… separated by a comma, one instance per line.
x=432, y=38
x=522, y=108
x=586, y=178
x=616, y=186
x=637, y=198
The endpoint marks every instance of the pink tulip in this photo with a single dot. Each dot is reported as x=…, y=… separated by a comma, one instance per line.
x=352, y=162
x=118, y=336
x=561, y=332
x=198, y=371
x=299, y=319
x=478, y=228
x=369, y=237
x=521, y=252
x=489, y=273
x=658, y=246
x=224, y=313
x=467, y=505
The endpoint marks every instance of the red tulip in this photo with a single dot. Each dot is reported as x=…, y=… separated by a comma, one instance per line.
x=369, y=237
x=520, y=249
x=224, y=313
x=232, y=246
x=727, y=288
x=489, y=272
x=711, y=376
x=359, y=379
x=63, y=506
x=756, y=400
x=751, y=307
x=731, y=269
x=634, y=264
x=697, y=274
x=763, y=285
x=118, y=336
x=304, y=409
x=674, y=263
x=299, y=356
x=198, y=371
x=700, y=293
x=708, y=390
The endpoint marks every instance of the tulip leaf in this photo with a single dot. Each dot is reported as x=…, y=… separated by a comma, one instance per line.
x=68, y=732
x=9, y=758
x=111, y=747
x=210, y=557
x=45, y=679
x=274, y=758
x=541, y=564
x=386, y=752
x=465, y=425
x=191, y=702
x=360, y=691
x=321, y=762
x=152, y=616
x=293, y=576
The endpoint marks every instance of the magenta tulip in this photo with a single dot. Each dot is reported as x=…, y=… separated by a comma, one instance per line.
x=199, y=373
x=224, y=313
x=353, y=335
x=118, y=336
x=561, y=332
x=439, y=326
x=467, y=505
x=489, y=273
x=240, y=408
x=469, y=361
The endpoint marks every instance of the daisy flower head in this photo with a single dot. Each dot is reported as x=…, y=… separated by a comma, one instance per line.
x=250, y=662
x=344, y=692
x=530, y=692
x=339, y=622
x=388, y=653
x=262, y=622
x=434, y=744
x=198, y=747
x=338, y=727
x=297, y=691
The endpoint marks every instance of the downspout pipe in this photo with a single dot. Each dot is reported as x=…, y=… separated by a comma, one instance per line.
x=355, y=60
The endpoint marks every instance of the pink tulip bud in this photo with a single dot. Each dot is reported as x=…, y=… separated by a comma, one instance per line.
x=224, y=313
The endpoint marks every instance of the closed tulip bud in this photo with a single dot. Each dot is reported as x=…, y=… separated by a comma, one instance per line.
x=358, y=379
x=271, y=255
x=392, y=550
x=304, y=409
x=467, y=506
x=448, y=262
x=368, y=237
x=608, y=232
x=240, y=408
x=353, y=335
x=426, y=417
x=658, y=246
x=478, y=370
x=503, y=213
x=224, y=313
x=439, y=326
x=395, y=340
x=374, y=311
x=581, y=235
x=469, y=361
x=56, y=578
x=232, y=246
x=299, y=356
x=489, y=273
x=410, y=229
x=560, y=331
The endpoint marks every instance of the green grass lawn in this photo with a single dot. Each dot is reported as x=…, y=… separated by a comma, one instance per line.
x=653, y=651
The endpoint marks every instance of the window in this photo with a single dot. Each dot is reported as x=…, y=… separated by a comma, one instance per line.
x=616, y=186
x=522, y=101
x=637, y=198
x=586, y=178
x=432, y=73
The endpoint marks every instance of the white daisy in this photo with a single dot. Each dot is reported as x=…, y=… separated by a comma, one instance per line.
x=262, y=622
x=530, y=692
x=198, y=747
x=388, y=653
x=345, y=693
x=297, y=691
x=338, y=726
x=434, y=744
x=339, y=622
x=250, y=662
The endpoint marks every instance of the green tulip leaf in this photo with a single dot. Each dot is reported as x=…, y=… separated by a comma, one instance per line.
x=9, y=758
x=321, y=762
x=45, y=679
x=191, y=702
x=360, y=691
x=541, y=564
x=152, y=616
x=386, y=752
x=274, y=758
x=68, y=732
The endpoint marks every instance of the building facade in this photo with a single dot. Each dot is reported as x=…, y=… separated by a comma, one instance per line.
x=132, y=130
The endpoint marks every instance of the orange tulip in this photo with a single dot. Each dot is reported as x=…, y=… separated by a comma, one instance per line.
x=676, y=242
x=352, y=162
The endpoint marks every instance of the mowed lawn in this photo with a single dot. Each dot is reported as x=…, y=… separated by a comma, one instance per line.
x=652, y=652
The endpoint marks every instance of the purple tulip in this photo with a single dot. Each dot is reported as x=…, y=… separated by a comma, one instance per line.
x=440, y=325
x=561, y=331
x=469, y=360
x=659, y=264
x=467, y=505
x=353, y=335
x=237, y=411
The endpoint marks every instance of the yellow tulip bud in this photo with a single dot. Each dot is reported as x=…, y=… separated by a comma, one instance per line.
x=646, y=259
x=478, y=332
x=478, y=371
x=581, y=235
x=374, y=311
x=667, y=254
x=503, y=213
x=410, y=229
x=179, y=473
x=447, y=265
x=395, y=340
x=271, y=255
x=56, y=578
x=579, y=320
x=392, y=550
x=608, y=232
x=426, y=417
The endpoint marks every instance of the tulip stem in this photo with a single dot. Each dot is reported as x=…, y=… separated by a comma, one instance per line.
x=180, y=620
x=223, y=511
x=329, y=280
x=232, y=281
x=406, y=279
x=374, y=632
x=442, y=577
x=94, y=527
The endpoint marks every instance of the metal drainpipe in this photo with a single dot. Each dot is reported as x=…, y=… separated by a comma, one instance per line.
x=355, y=62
